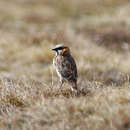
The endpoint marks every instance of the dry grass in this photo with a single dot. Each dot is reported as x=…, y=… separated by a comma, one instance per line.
x=97, y=33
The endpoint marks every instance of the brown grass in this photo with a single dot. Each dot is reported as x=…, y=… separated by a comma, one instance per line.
x=97, y=33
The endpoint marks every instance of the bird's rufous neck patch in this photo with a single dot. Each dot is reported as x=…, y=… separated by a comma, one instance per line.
x=65, y=50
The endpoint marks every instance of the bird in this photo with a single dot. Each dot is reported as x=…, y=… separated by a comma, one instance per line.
x=65, y=66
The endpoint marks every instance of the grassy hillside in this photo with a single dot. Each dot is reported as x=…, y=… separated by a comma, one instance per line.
x=98, y=34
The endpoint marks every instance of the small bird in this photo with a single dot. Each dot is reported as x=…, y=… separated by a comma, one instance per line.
x=65, y=66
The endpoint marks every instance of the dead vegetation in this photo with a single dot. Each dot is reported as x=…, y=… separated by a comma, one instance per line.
x=97, y=33
x=113, y=38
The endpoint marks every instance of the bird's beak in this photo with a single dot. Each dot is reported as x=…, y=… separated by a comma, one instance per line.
x=54, y=49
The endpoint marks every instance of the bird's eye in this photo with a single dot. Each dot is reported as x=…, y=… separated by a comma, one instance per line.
x=60, y=48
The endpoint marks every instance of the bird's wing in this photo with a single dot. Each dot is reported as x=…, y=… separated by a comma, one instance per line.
x=68, y=69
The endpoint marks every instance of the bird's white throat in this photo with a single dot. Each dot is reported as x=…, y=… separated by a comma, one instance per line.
x=58, y=52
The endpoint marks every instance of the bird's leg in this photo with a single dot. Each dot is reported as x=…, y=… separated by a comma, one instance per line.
x=61, y=83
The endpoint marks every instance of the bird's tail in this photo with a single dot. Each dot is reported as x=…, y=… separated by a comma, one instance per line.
x=74, y=86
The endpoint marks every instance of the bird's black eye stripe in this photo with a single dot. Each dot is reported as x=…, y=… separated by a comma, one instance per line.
x=59, y=48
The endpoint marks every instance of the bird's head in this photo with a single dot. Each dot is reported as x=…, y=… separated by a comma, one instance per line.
x=61, y=50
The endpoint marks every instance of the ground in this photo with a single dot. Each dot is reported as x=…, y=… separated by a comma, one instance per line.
x=98, y=34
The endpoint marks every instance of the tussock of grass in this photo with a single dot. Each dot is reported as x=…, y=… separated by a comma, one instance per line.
x=15, y=101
